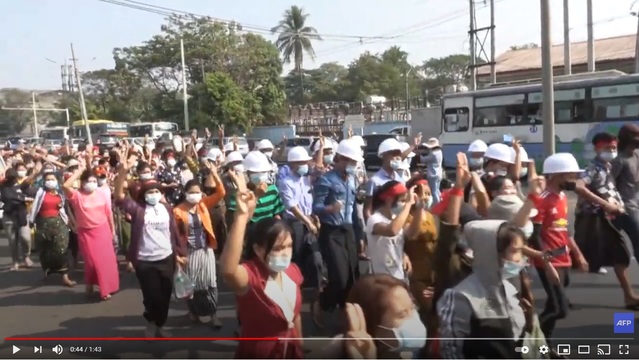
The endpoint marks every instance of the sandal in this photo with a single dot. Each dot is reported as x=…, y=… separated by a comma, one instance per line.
x=105, y=298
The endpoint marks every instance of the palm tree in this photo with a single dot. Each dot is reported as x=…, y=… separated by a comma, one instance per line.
x=295, y=39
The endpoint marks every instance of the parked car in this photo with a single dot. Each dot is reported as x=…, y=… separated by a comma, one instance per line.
x=371, y=160
x=107, y=142
x=242, y=143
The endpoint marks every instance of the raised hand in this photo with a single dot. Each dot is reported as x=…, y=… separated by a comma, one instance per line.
x=359, y=344
x=462, y=175
x=246, y=202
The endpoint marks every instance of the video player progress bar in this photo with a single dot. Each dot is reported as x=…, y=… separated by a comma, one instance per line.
x=275, y=338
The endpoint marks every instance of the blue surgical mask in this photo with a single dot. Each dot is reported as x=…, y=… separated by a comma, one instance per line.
x=397, y=209
x=258, y=178
x=608, y=155
x=411, y=334
x=278, y=263
x=152, y=199
x=302, y=170
x=523, y=172
x=476, y=163
x=351, y=169
x=328, y=159
x=395, y=164
x=512, y=269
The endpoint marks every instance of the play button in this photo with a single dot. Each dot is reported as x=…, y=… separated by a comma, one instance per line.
x=15, y=349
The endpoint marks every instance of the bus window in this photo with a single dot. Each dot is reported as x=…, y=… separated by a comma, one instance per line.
x=456, y=119
x=616, y=108
x=499, y=115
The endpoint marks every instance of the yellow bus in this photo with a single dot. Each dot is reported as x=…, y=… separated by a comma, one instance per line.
x=99, y=127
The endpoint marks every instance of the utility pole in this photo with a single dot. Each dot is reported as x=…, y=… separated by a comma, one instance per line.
x=35, y=114
x=493, y=65
x=591, y=38
x=83, y=107
x=473, y=53
x=567, y=45
x=548, y=105
x=406, y=73
x=184, y=92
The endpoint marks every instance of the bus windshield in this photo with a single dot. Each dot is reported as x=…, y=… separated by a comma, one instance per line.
x=53, y=133
x=165, y=127
x=140, y=130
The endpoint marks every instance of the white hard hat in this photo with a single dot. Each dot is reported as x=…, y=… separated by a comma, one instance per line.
x=298, y=153
x=405, y=146
x=255, y=161
x=264, y=144
x=432, y=143
x=358, y=140
x=561, y=163
x=387, y=145
x=350, y=149
x=499, y=151
x=328, y=144
x=214, y=154
x=523, y=155
x=198, y=146
x=233, y=156
x=478, y=146
x=229, y=147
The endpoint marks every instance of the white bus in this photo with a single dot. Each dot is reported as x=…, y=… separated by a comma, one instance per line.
x=55, y=133
x=153, y=129
x=584, y=106
x=100, y=127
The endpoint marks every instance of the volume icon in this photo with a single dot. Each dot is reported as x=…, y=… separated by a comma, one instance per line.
x=57, y=349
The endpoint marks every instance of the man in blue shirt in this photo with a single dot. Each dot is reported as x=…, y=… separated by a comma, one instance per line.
x=334, y=196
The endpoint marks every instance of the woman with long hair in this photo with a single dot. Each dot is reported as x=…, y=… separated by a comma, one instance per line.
x=51, y=228
x=197, y=232
x=15, y=217
x=95, y=232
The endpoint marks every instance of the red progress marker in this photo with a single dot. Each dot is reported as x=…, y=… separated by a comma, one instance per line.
x=136, y=339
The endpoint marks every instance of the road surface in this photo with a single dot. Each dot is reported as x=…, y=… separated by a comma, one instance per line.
x=31, y=307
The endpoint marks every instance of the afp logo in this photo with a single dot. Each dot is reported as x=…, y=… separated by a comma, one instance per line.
x=624, y=323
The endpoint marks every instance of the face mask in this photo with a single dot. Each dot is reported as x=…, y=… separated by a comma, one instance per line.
x=569, y=186
x=90, y=187
x=528, y=229
x=328, y=159
x=476, y=163
x=171, y=162
x=302, y=170
x=278, y=263
x=397, y=209
x=411, y=334
x=268, y=154
x=101, y=182
x=512, y=269
x=239, y=168
x=523, y=172
x=395, y=164
x=51, y=184
x=152, y=199
x=146, y=176
x=501, y=172
x=193, y=198
x=429, y=202
x=94, y=164
x=350, y=169
x=22, y=173
x=608, y=155
x=258, y=178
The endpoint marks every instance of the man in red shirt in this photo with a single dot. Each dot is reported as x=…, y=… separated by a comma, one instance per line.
x=555, y=242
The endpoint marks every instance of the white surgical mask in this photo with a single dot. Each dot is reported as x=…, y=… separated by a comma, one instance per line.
x=90, y=186
x=268, y=154
x=193, y=198
x=101, y=182
x=22, y=173
x=171, y=162
x=501, y=172
x=152, y=199
x=239, y=168
x=146, y=176
x=51, y=184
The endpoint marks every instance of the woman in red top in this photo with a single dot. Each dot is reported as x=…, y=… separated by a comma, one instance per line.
x=267, y=285
x=52, y=234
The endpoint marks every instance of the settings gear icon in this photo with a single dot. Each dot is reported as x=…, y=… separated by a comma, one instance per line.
x=543, y=349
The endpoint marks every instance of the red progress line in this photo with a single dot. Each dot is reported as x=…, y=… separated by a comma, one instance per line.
x=138, y=339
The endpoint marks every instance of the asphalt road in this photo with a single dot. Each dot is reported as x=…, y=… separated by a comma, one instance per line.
x=31, y=307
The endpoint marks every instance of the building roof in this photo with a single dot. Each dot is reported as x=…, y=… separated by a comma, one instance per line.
x=607, y=49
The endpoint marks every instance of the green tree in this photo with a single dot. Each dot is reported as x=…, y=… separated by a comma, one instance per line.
x=12, y=123
x=250, y=61
x=295, y=39
x=444, y=71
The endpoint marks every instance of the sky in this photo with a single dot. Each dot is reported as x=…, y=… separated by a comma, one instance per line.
x=37, y=30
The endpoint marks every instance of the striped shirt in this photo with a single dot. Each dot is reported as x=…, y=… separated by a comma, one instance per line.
x=268, y=205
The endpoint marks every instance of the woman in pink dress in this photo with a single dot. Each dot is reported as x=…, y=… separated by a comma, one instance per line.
x=95, y=230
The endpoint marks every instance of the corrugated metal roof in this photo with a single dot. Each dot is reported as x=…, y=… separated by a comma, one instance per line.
x=608, y=49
